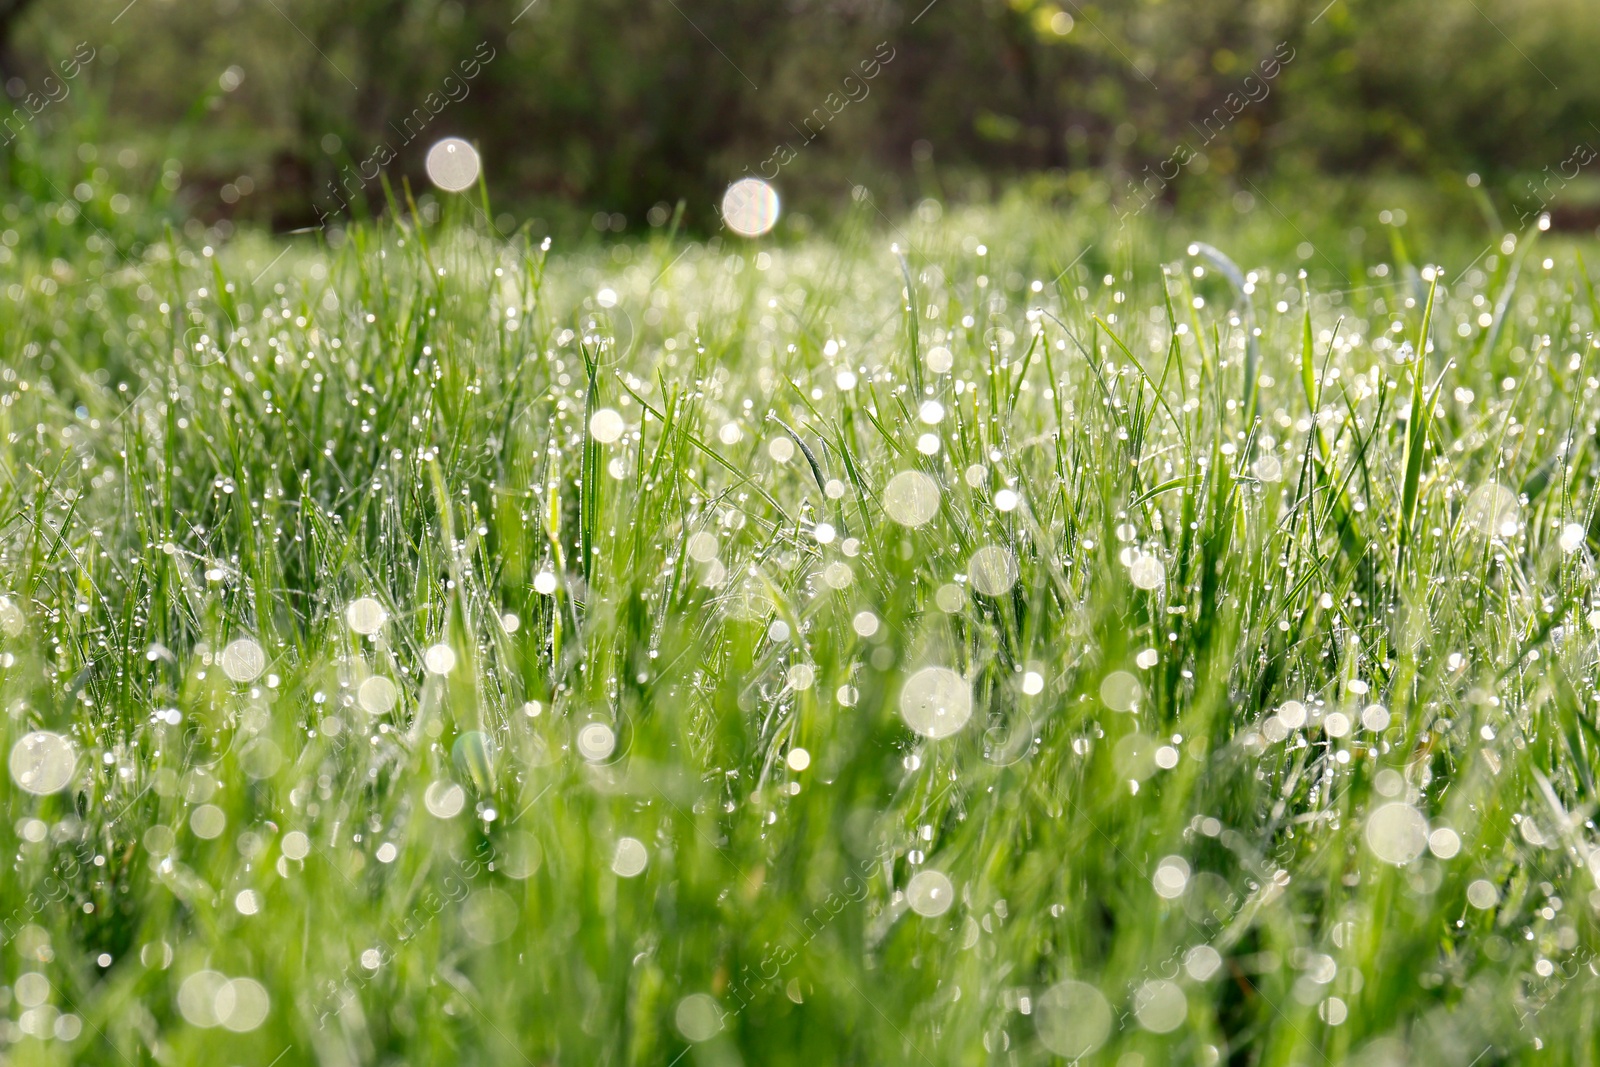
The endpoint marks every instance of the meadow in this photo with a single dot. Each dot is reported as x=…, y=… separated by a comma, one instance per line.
x=982, y=635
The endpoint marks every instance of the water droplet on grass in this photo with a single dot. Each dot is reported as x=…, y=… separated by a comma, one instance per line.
x=11, y=618
x=521, y=856
x=261, y=758
x=950, y=599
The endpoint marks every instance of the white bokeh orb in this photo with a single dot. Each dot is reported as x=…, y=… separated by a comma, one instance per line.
x=453, y=165
x=750, y=207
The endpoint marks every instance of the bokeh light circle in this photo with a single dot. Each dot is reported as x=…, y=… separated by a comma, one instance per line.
x=43, y=762
x=936, y=702
x=1397, y=833
x=992, y=570
x=1073, y=1019
x=930, y=893
x=453, y=165
x=630, y=857
x=750, y=207
x=1493, y=510
x=911, y=498
x=699, y=1017
x=1160, y=1006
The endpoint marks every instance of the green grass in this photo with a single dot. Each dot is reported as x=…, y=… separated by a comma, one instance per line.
x=1227, y=663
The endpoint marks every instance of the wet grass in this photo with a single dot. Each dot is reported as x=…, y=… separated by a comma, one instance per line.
x=434, y=648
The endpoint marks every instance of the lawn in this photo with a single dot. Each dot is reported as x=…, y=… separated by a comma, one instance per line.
x=971, y=636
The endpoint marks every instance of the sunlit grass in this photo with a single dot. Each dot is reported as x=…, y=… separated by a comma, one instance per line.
x=438, y=648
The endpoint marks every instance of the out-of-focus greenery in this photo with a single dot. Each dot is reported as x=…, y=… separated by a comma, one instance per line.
x=621, y=106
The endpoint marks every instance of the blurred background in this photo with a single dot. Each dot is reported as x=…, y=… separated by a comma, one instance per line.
x=605, y=115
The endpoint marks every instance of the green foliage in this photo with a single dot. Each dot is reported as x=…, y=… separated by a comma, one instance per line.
x=622, y=107
x=480, y=653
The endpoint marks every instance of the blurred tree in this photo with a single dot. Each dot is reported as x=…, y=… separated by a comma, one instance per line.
x=621, y=104
x=11, y=12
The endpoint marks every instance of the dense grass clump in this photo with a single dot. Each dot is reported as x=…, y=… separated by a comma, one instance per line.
x=429, y=647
